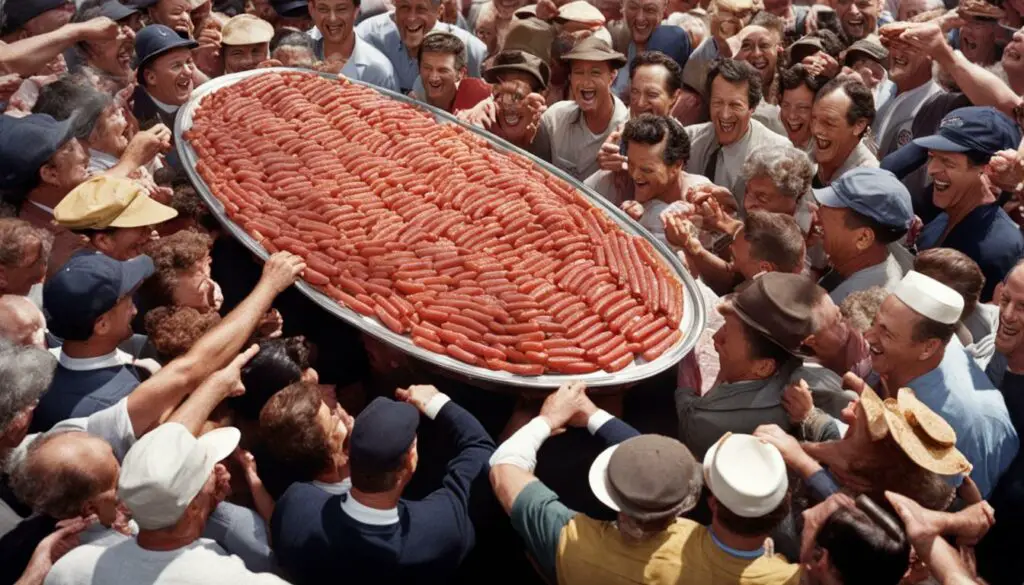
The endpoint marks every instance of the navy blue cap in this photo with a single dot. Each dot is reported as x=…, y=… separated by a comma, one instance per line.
x=874, y=193
x=155, y=40
x=89, y=285
x=671, y=40
x=382, y=434
x=290, y=8
x=18, y=12
x=116, y=11
x=27, y=143
x=143, y=4
x=979, y=129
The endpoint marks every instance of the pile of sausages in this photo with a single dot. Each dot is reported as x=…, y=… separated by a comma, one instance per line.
x=472, y=252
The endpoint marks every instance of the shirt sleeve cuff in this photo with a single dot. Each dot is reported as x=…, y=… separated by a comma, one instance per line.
x=521, y=448
x=597, y=420
x=435, y=405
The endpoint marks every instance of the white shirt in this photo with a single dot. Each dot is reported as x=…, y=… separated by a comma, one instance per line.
x=126, y=563
x=110, y=360
x=894, y=119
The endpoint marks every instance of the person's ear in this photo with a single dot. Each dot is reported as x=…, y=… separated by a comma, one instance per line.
x=765, y=266
x=864, y=239
x=676, y=95
x=763, y=368
x=48, y=174
x=860, y=126
x=103, y=242
x=615, y=73
x=149, y=76
x=997, y=293
x=931, y=347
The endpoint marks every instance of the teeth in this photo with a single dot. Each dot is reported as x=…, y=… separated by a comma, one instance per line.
x=940, y=185
x=511, y=119
x=823, y=144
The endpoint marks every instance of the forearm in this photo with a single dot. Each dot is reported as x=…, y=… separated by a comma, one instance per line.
x=32, y=576
x=981, y=86
x=195, y=411
x=262, y=500
x=943, y=561
x=27, y=56
x=716, y=272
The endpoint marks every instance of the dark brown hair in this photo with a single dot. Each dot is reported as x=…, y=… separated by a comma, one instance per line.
x=291, y=432
x=775, y=238
x=956, y=270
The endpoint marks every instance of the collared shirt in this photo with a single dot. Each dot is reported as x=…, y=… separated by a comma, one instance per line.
x=621, y=86
x=367, y=515
x=111, y=360
x=769, y=115
x=729, y=169
x=366, y=63
x=99, y=162
x=860, y=157
x=886, y=274
x=335, y=489
x=961, y=393
x=892, y=125
x=382, y=33
x=165, y=108
x=987, y=235
x=565, y=140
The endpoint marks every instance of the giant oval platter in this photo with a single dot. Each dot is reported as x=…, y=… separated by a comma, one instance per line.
x=434, y=236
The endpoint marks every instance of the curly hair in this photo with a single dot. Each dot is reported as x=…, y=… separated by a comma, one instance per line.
x=789, y=169
x=173, y=257
x=174, y=330
x=17, y=237
x=291, y=432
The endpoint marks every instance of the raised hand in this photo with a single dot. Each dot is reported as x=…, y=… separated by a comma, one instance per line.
x=565, y=405
x=282, y=270
x=797, y=401
x=633, y=209
x=418, y=395
x=609, y=157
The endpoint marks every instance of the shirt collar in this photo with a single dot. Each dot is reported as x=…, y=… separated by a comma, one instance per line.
x=366, y=515
x=743, y=554
x=165, y=108
x=103, y=157
x=742, y=142
x=337, y=488
x=113, y=359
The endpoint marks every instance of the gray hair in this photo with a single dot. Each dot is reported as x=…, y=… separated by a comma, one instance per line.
x=789, y=169
x=25, y=374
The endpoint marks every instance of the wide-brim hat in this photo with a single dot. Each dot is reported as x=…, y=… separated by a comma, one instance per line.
x=926, y=438
x=803, y=48
x=110, y=202
x=530, y=35
x=593, y=48
x=648, y=478
x=778, y=305
x=520, y=61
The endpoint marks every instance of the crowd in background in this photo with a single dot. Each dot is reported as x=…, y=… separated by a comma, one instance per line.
x=841, y=179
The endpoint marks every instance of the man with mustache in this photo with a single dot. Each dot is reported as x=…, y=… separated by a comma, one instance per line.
x=572, y=131
x=719, y=148
x=338, y=42
x=399, y=34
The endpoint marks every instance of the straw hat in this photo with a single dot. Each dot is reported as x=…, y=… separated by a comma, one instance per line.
x=922, y=434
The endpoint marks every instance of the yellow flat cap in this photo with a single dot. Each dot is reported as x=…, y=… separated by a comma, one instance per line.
x=107, y=202
x=246, y=29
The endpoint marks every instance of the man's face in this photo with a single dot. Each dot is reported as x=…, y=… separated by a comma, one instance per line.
x=762, y=193
x=869, y=71
x=760, y=47
x=838, y=239
x=116, y=323
x=795, y=113
x=169, y=77
x=649, y=92
x=68, y=167
x=978, y=40
x=200, y=13
x=742, y=258
x=834, y=136
x=642, y=17
x=730, y=110
x=440, y=78
x=22, y=323
x=126, y=243
x=244, y=57
x=733, y=347
x=1013, y=55
x=910, y=8
x=859, y=18
x=591, y=84
x=262, y=9
x=114, y=56
x=510, y=95
x=954, y=178
x=175, y=14
x=20, y=278
x=414, y=19
x=652, y=178
x=891, y=338
x=1010, y=335
x=295, y=56
x=906, y=64
x=487, y=31
x=726, y=22
x=109, y=134
x=50, y=20
x=829, y=341
x=194, y=289
x=337, y=426
x=334, y=18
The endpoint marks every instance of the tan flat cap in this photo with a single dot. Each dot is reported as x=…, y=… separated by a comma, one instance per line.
x=107, y=202
x=246, y=29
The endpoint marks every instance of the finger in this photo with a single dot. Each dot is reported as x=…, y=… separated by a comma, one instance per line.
x=854, y=382
x=244, y=357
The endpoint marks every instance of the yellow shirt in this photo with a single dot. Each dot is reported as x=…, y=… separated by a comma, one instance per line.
x=594, y=553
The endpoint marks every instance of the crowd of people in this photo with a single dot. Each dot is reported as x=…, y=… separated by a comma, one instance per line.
x=842, y=180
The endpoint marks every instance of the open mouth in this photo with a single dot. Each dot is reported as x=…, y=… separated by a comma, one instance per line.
x=822, y=144
x=758, y=63
x=641, y=27
x=968, y=43
x=793, y=127
x=1007, y=330
x=124, y=56
x=435, y=85
x=900, y=59
x=588, y=96
x=940, y=185
x=511, y=119
x=855, y=21
x=413, y=29
x=726, y=126
x=184, y=85
x=1011, y=53
x=334, y=30
x=875, y=350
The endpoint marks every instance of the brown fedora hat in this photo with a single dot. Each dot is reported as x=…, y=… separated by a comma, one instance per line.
x=518, y=61
x=594, y=49
x=778, y=305
x=530, y=35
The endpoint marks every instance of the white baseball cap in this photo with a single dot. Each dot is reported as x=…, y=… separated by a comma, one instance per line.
x=165, y=470
x=930, y=298
x=746, y=475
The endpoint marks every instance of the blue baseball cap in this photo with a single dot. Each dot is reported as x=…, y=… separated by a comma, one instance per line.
x=873, y=193
x=290, y=8
x=27, y=143
x=382, y=434
x=979, y=129
x=155, y=40
x=18, y=12
x=89, y=285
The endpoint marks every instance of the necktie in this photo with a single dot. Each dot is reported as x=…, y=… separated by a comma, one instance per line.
x=712, y=165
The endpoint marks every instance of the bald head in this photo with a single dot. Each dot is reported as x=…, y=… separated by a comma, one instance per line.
x=64, y=473
x=21, y=321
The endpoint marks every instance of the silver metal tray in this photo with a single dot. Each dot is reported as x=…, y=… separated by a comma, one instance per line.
x=694, y=311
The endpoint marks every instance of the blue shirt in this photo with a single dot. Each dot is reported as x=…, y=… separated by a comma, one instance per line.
x=987, y=235
x=963, y=395
x=365, y=64
x=382, y=32
x=671, y=40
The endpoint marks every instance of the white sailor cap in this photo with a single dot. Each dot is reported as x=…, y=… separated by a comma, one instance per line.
x=930, y=298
